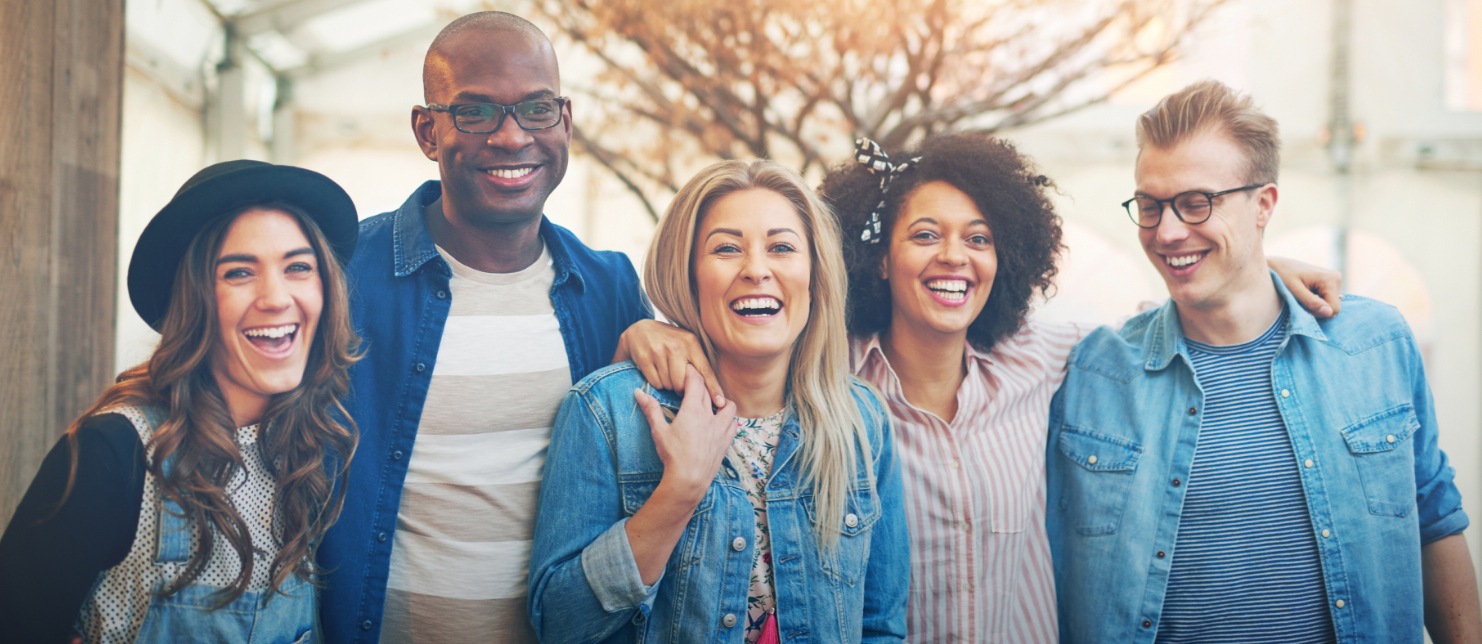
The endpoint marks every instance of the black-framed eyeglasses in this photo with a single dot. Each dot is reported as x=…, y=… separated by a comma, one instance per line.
x=1192, y=207
x=483, y=118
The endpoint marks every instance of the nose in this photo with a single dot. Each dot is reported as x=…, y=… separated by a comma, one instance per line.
x=1170, y=228
x=509, y=136
x=273, y=293
x=756, y=269
x=951, y=252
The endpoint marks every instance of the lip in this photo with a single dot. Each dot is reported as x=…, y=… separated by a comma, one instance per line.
x=944, y=301
x=512, y=183
x=1187, y=269
x=756, y=319
x=280, y=353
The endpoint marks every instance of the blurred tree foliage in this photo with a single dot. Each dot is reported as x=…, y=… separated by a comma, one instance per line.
x=685, y=82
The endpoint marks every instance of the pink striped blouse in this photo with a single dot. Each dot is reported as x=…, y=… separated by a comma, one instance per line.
x=975, y=490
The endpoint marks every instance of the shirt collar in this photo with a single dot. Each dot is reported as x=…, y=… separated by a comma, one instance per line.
x=1166, y=336
x=413, y=246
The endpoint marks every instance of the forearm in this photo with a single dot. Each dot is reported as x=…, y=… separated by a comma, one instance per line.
x=1452, y=612
x=655, y=529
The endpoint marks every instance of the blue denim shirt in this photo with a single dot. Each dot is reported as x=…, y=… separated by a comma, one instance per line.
x=1353, y=395
x=399, y=300
x=602, y=467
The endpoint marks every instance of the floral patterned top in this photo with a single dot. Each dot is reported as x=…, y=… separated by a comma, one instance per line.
x=752, y=451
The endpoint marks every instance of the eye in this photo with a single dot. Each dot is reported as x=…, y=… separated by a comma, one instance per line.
x=236, y=274
x=301, y=267
x=980, y=239
x=726, y=248
x=924, y=235
x=783, y=247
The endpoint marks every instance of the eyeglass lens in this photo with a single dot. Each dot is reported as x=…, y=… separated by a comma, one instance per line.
x=1192, y=208
x=535, y=114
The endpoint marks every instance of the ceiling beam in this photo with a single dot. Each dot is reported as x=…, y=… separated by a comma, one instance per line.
x=319, y=63
x=285, y=17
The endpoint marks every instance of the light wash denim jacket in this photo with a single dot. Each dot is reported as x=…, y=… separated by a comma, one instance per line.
x=1354, y=398
x=399, y=302
x=602, y=466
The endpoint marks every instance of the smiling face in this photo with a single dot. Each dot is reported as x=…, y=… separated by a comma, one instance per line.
x=268, y=300
x=941, y=263
x=752, y=269
x=504, y=176
x=1208, y=265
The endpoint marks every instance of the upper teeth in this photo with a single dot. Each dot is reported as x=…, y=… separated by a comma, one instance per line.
x=757, y=303
x=271, y=331
x=959, y=286
x=509, y=173
x=1182, y=260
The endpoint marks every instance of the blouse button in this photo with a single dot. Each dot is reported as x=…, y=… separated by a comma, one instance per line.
x=738, y=544
x=851, y=520
x=729, y=620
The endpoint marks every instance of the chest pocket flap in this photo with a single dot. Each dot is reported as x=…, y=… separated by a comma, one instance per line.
x=1098, y=453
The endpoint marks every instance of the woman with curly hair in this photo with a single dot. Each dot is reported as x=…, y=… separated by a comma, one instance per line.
x=187, y=502
x=947, y=246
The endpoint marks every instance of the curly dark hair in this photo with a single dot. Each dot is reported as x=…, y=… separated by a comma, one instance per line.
x=1006, y=188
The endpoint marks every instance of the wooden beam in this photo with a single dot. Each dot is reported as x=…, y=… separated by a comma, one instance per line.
x=286, y=16
x=61, y=79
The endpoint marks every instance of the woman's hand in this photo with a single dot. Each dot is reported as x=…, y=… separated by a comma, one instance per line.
x=1316, y=288
x=691, y=447
x=661, y=351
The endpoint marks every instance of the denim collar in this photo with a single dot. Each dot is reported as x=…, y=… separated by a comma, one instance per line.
x=412, y=244
x=1166, y=336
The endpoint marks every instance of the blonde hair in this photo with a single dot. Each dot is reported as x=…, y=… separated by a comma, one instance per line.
x=818, y=372
x=1210, y=105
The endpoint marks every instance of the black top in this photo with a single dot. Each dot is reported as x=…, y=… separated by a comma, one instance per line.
x=49, y=562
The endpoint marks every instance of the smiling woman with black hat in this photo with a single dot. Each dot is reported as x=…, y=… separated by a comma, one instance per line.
x=197, y=487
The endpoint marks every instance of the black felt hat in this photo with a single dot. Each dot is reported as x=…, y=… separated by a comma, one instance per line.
x=220, y=190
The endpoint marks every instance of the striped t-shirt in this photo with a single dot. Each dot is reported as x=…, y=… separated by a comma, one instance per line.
x=461, y=555
x=1245, y=564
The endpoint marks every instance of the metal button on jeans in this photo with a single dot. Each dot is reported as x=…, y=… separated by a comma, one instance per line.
x=738, y=544
x=729, y=620
x=851, y=520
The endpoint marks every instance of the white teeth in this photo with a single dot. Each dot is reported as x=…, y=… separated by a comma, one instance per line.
x=509, y=173
x=756, y=303
x=1181, y=261
x=272, y=332
x=954, y=286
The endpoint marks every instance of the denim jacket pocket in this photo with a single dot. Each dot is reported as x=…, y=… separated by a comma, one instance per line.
x=1098, y=479
x=1385, y=458
x=637, y=488
x=849, y=557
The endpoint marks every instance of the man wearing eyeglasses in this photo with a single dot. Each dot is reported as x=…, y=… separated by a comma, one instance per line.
x=478, y=314
x=1228, y=468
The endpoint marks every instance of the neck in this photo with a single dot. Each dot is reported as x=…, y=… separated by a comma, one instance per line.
x=498, y=247
x=757, y=386
x=930, y=367
x=1240, y=318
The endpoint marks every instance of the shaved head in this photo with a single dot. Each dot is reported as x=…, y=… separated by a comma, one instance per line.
x=484, y=23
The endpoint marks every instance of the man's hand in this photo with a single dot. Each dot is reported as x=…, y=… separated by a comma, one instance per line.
x=661, y=352
x=1317, y=289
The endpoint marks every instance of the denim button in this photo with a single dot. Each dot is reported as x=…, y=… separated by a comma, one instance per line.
x=1193, y=411
x=421, y=367
x=738, y=544
x=730, y=619
x=1389, y=438
x=1147, y=623
x=442, y=295
x=1091, y=460
x=1326, y=533
x=1286, y=393
x=1338, y=603
x=381, y=537
x=396, y=455
x=851, y=520
x=1177, y=482
x=1307, y=462
x=366, y=625
x=1162, y=554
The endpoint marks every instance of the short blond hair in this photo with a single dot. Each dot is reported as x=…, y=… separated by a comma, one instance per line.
x=1210, y=105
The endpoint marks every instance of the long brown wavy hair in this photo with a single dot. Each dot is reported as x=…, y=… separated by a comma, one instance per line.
x=304, y=431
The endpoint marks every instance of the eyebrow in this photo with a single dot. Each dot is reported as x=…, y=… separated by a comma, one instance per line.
x=474, y=97
x=929, y=220
x=246, y=258
x=737, y=233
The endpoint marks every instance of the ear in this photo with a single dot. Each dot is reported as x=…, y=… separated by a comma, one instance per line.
x=425, y=129
x=1265, y=205
x=885, y=265
x=566, y=122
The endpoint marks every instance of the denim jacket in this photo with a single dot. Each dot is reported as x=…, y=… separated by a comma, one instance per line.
x=602, y=466
x=1353, y=395
x=399, y=300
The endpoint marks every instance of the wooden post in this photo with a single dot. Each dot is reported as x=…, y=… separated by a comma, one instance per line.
x=61, y=85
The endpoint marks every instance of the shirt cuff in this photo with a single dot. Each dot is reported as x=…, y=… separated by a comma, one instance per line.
x=612, y=572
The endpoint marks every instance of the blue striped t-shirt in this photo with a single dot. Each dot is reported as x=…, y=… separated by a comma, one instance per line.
x=1245, y=564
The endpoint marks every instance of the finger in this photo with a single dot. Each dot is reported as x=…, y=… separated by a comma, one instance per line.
x=696, y=398
x=651, y=409
x=696, y=357
x=1314, y=303
x=1332, y=292
x=676, y=373
x=651, y=372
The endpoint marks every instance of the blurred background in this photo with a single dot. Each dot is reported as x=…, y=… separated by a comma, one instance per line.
x=111, y=105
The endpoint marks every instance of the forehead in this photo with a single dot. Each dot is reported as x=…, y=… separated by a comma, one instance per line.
x=263, y=229
x=1207, y=161
x=941, y=201
x=752, y=210
x=503, y=66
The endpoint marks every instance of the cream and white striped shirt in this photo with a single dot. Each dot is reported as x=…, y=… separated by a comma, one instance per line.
x=975, y=490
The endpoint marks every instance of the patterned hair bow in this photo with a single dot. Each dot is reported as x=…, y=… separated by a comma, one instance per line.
x=868, y=154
